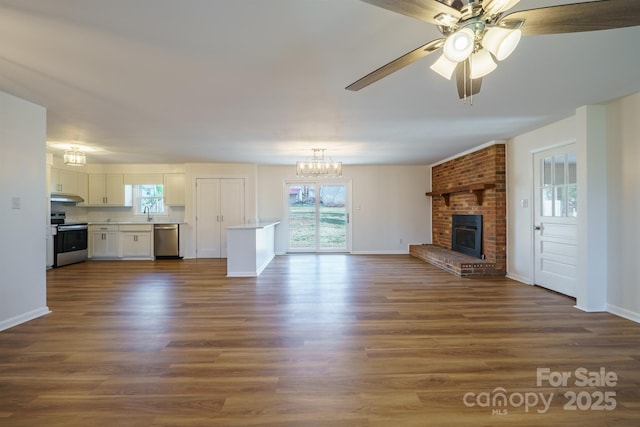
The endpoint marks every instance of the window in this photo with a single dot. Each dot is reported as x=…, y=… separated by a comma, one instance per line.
x=148, y=199
x=558, y=186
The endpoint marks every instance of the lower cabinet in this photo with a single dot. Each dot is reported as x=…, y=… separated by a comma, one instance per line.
x=136, y=244
x=121, y=241
x=104, y=241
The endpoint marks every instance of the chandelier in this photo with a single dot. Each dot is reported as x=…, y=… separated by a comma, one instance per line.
x=74, y=157
x=318, y=166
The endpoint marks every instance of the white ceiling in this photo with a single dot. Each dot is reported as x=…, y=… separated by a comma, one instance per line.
x=262, y=81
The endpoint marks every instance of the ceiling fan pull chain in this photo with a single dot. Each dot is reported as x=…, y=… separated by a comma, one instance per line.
x=470, y=82
x=464, y=68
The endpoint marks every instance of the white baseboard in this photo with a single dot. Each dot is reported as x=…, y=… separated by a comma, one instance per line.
x=22, y=318
x=390, y=252
x=518, y=278
x=243, y=274
x=623, y=312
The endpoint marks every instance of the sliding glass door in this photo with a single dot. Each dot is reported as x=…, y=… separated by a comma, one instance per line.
x=318, y=217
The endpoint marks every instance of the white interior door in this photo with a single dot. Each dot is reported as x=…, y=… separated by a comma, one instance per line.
x=556, y=219
x=208, y=218
x=219, y=204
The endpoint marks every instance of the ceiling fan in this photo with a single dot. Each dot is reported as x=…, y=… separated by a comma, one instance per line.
x=478, y=33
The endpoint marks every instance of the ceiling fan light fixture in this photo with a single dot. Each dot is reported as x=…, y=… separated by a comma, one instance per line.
x=444, y=67
x=501, y=42
x=482, y=63
x=459, y=45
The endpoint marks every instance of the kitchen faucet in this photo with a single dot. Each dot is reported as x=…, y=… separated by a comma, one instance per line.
x=147, y=210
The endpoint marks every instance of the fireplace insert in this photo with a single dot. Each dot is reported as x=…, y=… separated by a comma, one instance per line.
x=466, y=234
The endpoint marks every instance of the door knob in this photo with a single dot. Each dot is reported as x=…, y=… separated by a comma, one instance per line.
x=537, y=228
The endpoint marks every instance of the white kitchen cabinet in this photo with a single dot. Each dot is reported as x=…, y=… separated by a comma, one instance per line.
x=63, y=181
x=68, y=182
x=104, y=241
x=106, y=189
x=136, y=241
x=174, y=189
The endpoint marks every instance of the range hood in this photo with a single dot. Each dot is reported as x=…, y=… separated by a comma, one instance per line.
x=66, y=198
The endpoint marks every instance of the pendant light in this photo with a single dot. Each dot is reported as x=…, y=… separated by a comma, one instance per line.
x=74, y=157
x=318, y=166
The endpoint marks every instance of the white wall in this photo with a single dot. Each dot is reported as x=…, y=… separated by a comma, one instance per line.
x=608, y=196
x=388, y=205
x=23, y=209
x=623, y=134
x=591, y=154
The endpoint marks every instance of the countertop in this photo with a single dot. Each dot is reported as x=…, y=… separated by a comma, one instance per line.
x=254, y=225
x=134, y=222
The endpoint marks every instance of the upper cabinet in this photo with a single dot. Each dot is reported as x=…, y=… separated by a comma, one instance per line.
x=106, y=190
x=66, y=181
x=69, y=182
x=174, y=189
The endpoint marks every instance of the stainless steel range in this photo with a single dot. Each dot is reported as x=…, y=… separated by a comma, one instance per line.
x=70, y=240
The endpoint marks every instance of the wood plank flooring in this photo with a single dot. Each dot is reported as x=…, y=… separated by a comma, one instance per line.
x=316, y=340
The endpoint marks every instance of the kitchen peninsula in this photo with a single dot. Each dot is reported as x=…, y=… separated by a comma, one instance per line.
x=250, y=248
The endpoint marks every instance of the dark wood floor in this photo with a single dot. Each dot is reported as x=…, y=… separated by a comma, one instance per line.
x=329, y=340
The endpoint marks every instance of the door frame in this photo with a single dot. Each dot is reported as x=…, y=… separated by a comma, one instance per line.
x=318, y=182
x=534, y=206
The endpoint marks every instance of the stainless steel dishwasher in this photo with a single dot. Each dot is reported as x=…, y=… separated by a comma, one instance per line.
x=166, y=241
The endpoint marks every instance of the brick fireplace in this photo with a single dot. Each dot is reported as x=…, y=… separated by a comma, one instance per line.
x=473, y=184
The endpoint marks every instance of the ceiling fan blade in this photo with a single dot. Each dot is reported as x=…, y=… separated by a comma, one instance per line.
x=397, y=64
x=498, y=6
x=424, y=10
x=466, y=85
x=578, y=17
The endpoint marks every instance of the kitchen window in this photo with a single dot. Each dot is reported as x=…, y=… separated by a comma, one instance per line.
x=148, y=199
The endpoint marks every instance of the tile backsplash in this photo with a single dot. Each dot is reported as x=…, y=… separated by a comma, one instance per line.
x=114, y=214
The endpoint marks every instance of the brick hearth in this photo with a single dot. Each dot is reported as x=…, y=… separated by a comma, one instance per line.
x=454, y=262
x=471, y=184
